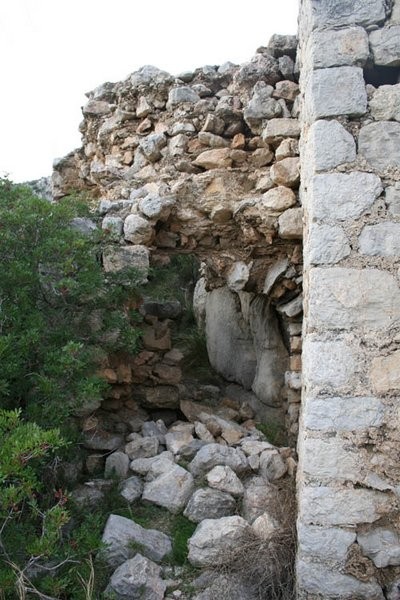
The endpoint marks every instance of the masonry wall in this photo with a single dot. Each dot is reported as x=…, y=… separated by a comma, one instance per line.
x=349, y=476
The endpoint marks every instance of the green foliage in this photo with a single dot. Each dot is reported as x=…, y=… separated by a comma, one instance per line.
x=57, y=307
x=274, y=432
x=181, y=529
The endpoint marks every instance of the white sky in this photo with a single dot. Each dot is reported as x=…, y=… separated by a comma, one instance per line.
x=53, y=51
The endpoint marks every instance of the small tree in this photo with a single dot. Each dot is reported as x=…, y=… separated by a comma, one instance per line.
x=59, y=311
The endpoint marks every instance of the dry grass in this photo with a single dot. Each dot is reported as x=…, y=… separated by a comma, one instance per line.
x=266, y=568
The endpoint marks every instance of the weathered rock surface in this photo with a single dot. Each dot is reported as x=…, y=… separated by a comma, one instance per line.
x=137, y=578
x=214, y=539
x=171, y=490
x=209, y=504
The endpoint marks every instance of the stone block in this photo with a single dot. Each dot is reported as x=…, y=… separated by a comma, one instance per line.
x=343, y=414
x=339, y=47
x=117, y=258
x=329, y=145
x=277, y=129
x=385, y=103
x=379, y=144
x=342, y=506
x=342, y=196
x=385, y=46
x=392, y=197
x=318, y=579
x=382, y=239
x=137, y=230
x=342, y=298
x=326, y=244
x=328, y=364
x=336, y=91
x=329, y=543
x=290, y=224
x=347, y=12
x=382, y=546
x=329, y=459
x=385, y=373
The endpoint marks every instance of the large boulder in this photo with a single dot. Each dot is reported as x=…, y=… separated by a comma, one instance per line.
x=121, y=535
x=171, y=490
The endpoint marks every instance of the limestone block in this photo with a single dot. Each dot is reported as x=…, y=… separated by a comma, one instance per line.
x=385, y=373
x=286, y=172
x=137, y=230
x=138, y=577
x=119, y=535
x=385, y=46
x=277, y=129
x=392, y=197
x=290, y=224
x=224, y=479
x=171, y=490
x=127, y=257
x=318, y=579
x=342, y=196
x=288, y=147
x=339, y=47
x=214, y=159
x=382, y=239
x=259, y=497
x=212, y=140
x=347, y=12
x=214, y=540
x=329, y=459
x=385, y=103
x=328, y=364
x=379, y=144
x=326, y=244
x=182, y=94
x=279, y=198
x=346, y=298
x=329, y=543
x=343, y=414
x=382, y=546
x=152, y=145
x=337, y=91
x=342, y=506
x=212, y=455
x=155, y=207
x=330, y=145
x=395, y=16
x=113, y=226
x=209, y=504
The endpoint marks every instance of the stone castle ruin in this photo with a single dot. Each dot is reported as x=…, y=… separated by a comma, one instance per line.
x=208, y=164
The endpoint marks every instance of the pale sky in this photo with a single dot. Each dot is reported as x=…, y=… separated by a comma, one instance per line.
x=53, y=51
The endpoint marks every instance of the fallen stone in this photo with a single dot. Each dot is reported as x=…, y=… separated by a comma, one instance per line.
x=131, y=489
x=176, y=440
x=265, y=527
x=225, y=480
x=137, y=578
x=206, y=503
x=272, y=465
x=171, y=490
x=142, y=447
x=162, y=462
x=259, y=496
x=215, y=539
x=121, y=534
x=117, y=465
x=212, y=455
x=87, y=496
x=182, y=94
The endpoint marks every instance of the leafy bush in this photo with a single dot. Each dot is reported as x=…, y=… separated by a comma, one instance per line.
x=58, y=309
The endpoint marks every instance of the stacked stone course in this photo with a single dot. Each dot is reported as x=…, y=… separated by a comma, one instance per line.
x=349, y=544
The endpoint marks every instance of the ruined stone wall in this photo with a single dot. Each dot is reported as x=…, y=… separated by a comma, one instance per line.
x=349, y=476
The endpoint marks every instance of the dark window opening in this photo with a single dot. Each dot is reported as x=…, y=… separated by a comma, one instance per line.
x=377, y=75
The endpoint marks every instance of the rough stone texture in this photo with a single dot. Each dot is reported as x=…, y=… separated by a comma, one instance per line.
x=330, y=459
x=171, y=490
x=329, y=543
x=326, y=244
x=385, y=103
x=272, y=465
x=122, y=257
x=117, y=464
x=339, y=47
x=379, y=144
x=347, y=12
x=290, y=224
x=137, y=579
x=385, y=373
x=336, y=361
x=277, y=129
x=120, y=534
x=213, y=455
x=380, y=240
x=337, y=91
x=347, y=298
x=381, y=545
x=318, y=579
x=131, y=489
x=215, y=538
x=330, y=145
x=259, y=496
x=385, y=46
x=209, y=504
x=279, y=198
x=392, y=197
x=265, y=527
x=286, y=172
x=336, y=506
x=341, y=196
x=344, y=414
x=224, y=479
